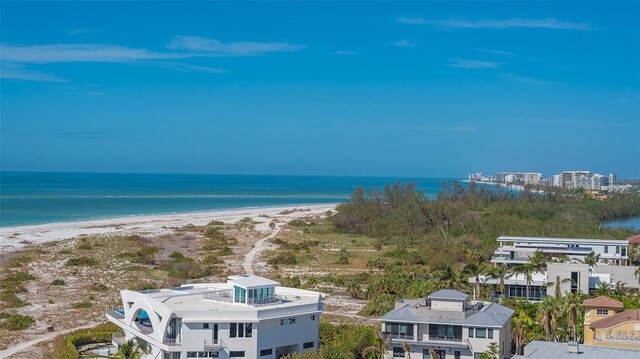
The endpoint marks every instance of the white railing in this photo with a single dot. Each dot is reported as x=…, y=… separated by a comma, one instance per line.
x=264, y=301
x=213, y=344
x=222, y=295
x=117, y=313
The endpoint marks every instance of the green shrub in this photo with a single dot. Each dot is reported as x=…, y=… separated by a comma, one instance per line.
x=81, y=261
x=83, y=304
x=99, y=287
x=15, y=322
x=18, y=277
x=64, y=346
x=58, y=282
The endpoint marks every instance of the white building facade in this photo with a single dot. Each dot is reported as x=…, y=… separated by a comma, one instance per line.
x=517, y=250
x=246, y=317
x=448, y=325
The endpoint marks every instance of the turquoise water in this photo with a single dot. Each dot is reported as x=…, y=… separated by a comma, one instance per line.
x=37, y=197
x=633, y=223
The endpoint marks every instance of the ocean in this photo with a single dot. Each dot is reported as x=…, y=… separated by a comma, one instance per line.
x=37, y=197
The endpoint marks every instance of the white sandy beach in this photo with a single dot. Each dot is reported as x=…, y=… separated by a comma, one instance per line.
x=15, y=238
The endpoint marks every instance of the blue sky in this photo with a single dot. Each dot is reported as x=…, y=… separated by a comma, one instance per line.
x=399, y=89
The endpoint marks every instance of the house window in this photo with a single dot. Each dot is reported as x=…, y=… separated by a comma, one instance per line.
x=205, y=325
x=470, y=332
x=308, y=345
x=287, y=321
x=313, y=317
x=398, y=352
x=481, y=332
x=602, y=312
x=490, y=333
x=606, y=249
x=240, y=330
x=236, y=354
x=264, y=352
x=202, y=355
x=457, y=354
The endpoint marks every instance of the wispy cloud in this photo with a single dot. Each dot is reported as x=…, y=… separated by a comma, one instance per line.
x=192, y=68
x=473, y=64
x=412, y=20
x=507, y=53
x=527, y=80
x=548, y=23
x=241, y=48
x=343, y=52
x=18, y=72
x=427, y=127
x=79, y=31
x=403, y=43
x=79, y=53
x=183, y=46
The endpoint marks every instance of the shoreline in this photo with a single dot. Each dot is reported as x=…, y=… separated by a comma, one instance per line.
x=18, y=237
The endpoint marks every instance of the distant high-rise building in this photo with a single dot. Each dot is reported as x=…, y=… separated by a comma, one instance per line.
x=532, y=178
x=613, y=179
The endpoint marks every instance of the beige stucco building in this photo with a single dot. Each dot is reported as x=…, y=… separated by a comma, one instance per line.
x=606, y=324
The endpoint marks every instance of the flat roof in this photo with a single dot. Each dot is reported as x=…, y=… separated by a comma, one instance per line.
x=544, y=350
x=252, y=281
x=561, y=240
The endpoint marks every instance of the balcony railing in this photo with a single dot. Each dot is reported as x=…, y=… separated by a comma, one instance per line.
x=264, y=301
x=170, y=341
x=619, y=338
x=213, y=344
x=399, y=336
x=117, y=313
x=222, y=295
x=457, y=342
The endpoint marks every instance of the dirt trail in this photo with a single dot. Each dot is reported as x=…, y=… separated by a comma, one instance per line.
x=46, y=337
x=247, y=263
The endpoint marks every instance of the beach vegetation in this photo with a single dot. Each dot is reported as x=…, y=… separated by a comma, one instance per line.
x=58, y=282
x=64, y=346
x=81, y=261
x=83, y=304
x=13, y=322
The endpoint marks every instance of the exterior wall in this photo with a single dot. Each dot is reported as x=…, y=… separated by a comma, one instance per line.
x=624, y=274
x=501, y=336
x=563, y=270
x=629, y=336
x=273, y=335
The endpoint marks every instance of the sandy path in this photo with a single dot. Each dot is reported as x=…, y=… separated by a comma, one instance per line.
x=247, y=263
x=49, y=336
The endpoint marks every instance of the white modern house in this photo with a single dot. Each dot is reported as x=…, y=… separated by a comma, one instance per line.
x=246, y=317
x=447, y=323
x=517, y=250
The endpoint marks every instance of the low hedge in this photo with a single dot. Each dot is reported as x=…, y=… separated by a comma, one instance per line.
x=64, y=346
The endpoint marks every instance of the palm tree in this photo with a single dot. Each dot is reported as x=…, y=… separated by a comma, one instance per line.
x=501, y=273
x=475, y=270
x=432, y=353
x=527, y=271
x=592, y=259
x=620, y=288
x=571, y=307
x=557, y=284
x=546, y=315
x=379, y=347
x=602, y=288
x=129, y=350
x=637, y=274
x=407, y=349
x=521, y=325
x=538, y=261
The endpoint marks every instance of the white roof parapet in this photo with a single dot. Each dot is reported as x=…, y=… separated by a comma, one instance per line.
x=561, y=240
x=251, y=281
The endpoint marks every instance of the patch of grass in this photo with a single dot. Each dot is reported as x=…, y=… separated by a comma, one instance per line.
x=58, y=282
x=83, y=304
x=81, y=261
x=13, y=322
x=65, y=251
x=11, y=300
x=19, y=277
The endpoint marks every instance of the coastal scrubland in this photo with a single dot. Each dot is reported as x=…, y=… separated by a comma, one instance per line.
x=366, y=253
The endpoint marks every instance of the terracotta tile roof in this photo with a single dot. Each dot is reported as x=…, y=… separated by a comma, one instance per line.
x=630, y=315
x=603, y=302
x=634, y=239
